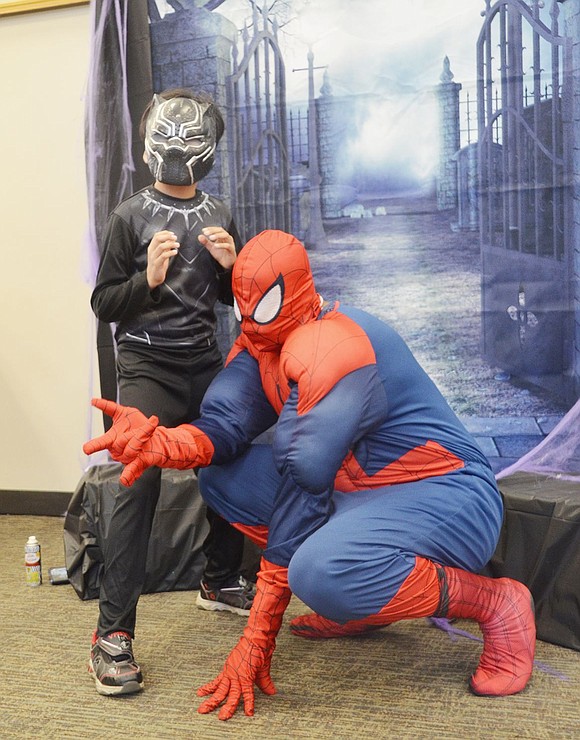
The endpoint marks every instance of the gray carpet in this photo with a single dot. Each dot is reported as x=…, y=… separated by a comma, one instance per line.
x=406, y=681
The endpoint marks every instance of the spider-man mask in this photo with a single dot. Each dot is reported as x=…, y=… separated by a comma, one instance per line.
x=273, y=289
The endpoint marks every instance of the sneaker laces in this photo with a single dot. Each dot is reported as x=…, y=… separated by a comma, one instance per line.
x=121, y=652
x=239, y=583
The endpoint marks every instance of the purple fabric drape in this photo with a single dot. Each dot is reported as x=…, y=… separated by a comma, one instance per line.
x=118, y=89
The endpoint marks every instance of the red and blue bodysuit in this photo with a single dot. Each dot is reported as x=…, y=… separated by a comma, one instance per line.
x=368, y=466
x=371, y=501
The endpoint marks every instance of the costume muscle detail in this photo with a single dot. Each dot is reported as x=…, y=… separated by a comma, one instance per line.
x=321, y=353
x=235, y=409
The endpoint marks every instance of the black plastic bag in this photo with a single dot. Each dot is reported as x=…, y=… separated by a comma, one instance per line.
x=175, y=559
x=539, y=545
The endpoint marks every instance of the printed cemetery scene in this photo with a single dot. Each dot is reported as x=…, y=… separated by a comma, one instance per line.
x=428, y=173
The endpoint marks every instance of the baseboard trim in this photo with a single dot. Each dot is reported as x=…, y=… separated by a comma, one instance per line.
x=34, y=503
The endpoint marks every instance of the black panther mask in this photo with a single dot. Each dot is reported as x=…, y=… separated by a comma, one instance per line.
x=180, y=141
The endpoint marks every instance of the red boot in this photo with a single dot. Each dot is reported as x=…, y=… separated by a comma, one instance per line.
x=504, y=610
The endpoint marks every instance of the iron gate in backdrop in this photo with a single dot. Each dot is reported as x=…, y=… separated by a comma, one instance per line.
x=524, y=97
x=258, y=149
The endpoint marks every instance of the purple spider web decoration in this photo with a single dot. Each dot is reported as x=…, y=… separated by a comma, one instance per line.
x=558, y=455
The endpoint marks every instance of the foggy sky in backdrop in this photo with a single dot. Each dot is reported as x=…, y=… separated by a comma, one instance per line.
x=391, y=51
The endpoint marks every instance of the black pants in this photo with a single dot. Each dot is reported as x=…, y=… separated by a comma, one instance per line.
x=170, y=385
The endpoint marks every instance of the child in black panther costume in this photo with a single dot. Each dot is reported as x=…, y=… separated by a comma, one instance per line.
x=167, y=259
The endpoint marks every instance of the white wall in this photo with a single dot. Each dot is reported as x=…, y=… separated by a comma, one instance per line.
x=46, y=325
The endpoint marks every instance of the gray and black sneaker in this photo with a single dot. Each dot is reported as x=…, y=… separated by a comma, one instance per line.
x=237, y=597
x=113, y=666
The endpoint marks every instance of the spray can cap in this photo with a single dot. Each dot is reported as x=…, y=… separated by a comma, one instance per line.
x=32, y=540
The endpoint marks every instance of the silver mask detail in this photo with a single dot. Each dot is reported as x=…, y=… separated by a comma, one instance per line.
x=180, y=141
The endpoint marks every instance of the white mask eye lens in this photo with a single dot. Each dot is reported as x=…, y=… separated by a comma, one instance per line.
x=270, y=304
x=237, y=312
x=163, y=129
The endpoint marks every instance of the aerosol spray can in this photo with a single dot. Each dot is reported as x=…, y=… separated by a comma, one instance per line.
x=32, y=562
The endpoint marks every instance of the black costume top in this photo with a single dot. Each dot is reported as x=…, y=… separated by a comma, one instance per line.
x=179, y=314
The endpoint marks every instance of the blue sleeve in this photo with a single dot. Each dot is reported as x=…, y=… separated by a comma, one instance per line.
x=313, y=445
x=309, y=449
x=235, y=409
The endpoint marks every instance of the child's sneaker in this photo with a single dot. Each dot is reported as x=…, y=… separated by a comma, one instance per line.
x=113, y=666
x=236, y=598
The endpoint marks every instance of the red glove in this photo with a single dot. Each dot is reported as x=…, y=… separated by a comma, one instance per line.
x=249, y=662
x=125, y=438
x=139, y=443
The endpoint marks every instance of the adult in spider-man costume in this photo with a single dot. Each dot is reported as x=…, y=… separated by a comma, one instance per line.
x=373, y=504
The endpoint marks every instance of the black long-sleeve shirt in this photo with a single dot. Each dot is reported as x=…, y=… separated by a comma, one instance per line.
x=179, y=314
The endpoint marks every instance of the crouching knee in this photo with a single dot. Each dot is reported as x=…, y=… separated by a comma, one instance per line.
x=315, y=579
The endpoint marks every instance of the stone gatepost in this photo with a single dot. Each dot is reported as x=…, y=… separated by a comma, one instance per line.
x=449, y=138
x=192, y=48
x=328, y=130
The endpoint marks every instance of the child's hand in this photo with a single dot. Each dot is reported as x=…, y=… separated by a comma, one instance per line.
x=220, y=245
x=162, y=247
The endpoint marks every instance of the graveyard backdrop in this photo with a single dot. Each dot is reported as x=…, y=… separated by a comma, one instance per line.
x=425, y=153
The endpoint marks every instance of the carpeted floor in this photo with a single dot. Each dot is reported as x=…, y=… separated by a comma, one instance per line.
x=406, y=681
